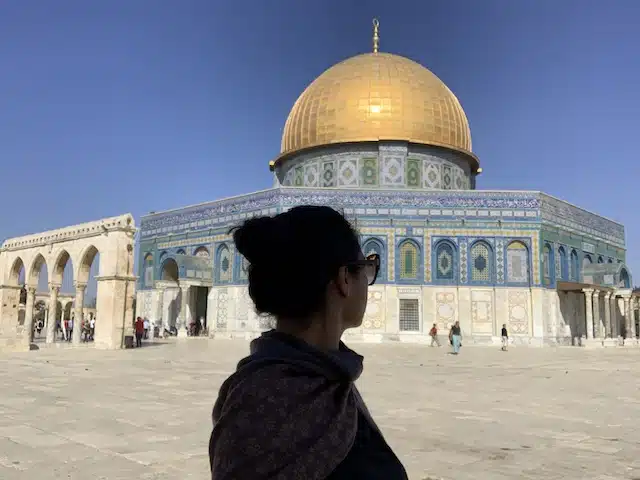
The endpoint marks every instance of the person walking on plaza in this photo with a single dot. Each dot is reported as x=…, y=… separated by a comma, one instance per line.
x=146, y=328
x=299, y=379
x=434, y=335
x=70, y=330
x=139, y=331
x=505, y=337
x=455, y=337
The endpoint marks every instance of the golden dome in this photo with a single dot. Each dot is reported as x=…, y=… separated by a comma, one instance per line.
x=377, y=96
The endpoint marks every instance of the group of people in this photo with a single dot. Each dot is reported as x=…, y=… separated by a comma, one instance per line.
x=455, y=337
x=64, y=328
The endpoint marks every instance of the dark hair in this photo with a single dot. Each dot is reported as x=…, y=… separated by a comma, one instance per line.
x=293, y=256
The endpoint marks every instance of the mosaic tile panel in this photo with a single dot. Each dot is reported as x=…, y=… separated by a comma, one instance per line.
x=517, y=263
x=445, y=310
x=499, y=261
x=480, y=263
x=392, y=171
x=369, y=172
x=348, y=173
x=413, y=172
x=243, y=303
x=311, y=175
x=459, y=179
x=374, y=314
x=482, y=312
x=225, y=269
x=298, y=179
x=463, y=261
x=289, y=177
x=427, y=257
x=409, y=258
x=447, y=177
x=329, y=174
x=431, y=175
x=445, y=261
x=518, y=312
x=221, y=308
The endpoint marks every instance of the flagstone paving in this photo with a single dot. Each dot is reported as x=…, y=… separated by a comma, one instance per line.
x=144, y=414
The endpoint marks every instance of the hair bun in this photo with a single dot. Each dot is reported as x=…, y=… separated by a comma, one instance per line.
x=256, y=239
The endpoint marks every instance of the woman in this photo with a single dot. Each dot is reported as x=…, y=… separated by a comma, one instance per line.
x=291, y=410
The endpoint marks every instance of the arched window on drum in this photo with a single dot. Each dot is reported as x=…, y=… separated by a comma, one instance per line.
x=201, y=252
x=517, y=263
x=445, y=262
x=148, y=270
x=409, y=261
x=562, y=268
x=574, y=266
x=224, y=267
x=548, y=267
x=243, y=268
x=481, y=264
x=371, y=246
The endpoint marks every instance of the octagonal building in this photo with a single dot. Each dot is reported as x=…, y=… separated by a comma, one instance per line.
x=383, y=139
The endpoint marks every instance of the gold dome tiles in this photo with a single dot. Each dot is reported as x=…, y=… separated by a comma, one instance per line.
x=376, y=96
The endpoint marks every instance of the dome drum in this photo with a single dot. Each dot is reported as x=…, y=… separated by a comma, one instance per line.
x=377, y=165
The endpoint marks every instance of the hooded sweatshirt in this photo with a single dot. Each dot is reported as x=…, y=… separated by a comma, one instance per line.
x=291, y=411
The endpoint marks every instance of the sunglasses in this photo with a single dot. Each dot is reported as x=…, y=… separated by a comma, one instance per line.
x=371, y=266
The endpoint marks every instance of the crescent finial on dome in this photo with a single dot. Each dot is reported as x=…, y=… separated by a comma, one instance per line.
x=376, y=37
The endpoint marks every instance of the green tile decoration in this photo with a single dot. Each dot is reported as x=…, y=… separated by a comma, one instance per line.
x=369, y=172
x=413, y=173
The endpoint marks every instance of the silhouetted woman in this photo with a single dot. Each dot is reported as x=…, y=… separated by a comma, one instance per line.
x=291, y=410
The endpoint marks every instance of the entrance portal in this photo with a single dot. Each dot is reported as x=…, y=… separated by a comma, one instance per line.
x=201, y=297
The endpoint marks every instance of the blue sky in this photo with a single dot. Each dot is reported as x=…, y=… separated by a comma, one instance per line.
x=134, y=106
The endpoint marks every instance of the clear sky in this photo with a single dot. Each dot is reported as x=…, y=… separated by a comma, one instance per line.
x=132, y=106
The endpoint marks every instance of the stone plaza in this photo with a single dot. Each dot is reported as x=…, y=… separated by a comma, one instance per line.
x=556, y=413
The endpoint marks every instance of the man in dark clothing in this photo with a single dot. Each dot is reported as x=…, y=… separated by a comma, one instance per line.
x=505, y=337
x=139, y=331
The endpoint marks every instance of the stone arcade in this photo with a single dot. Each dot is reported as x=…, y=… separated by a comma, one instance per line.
x=112, y=238
x=383, y=139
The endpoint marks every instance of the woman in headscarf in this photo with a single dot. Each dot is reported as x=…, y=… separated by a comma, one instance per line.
x=292, y=410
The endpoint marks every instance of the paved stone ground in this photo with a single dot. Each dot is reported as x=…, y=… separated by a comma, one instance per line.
x=145, y=414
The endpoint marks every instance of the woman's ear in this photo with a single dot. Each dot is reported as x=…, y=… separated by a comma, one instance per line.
x=343, y=282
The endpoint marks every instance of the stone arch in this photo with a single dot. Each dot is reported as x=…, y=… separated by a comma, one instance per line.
x=14, y=274
x=59, y=264
x=201, y=251
x=87, y=257
x=181, y=251
x=625, y=279
x=33, y=274
x=169, y=271
x=68, y=310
